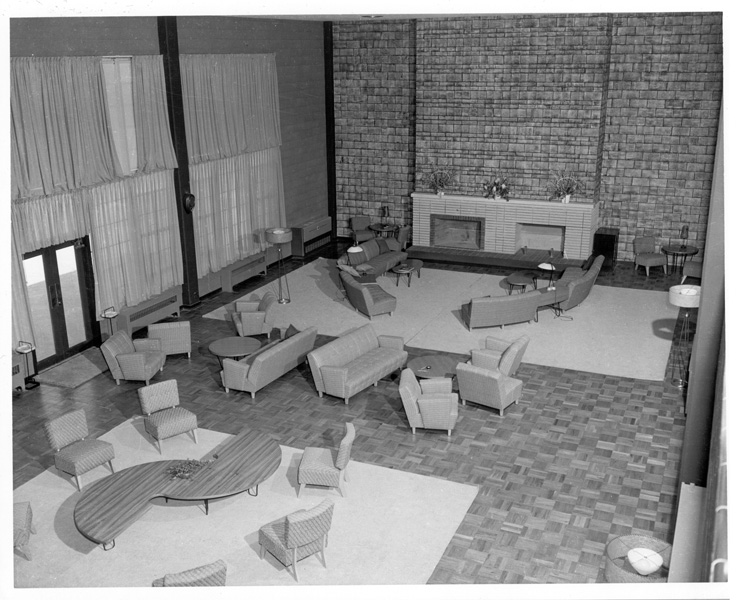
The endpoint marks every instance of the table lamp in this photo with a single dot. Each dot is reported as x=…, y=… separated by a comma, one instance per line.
x=353, y=250
x=684, y=235
x=279, y=236
x=686, y=297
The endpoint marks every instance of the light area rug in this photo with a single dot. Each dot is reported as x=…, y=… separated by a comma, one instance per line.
x=391, y=528
x=615, y=331
x=74, y=371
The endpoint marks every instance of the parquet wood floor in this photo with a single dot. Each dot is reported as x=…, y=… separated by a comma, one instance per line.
x=581, y=459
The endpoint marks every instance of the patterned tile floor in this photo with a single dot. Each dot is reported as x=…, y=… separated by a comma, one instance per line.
x=581, y=459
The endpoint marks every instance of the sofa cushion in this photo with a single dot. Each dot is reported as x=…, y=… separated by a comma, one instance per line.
x=356, y=258
x=370, y=367
x=382, y=244
x=290, y=332
x=349, y=269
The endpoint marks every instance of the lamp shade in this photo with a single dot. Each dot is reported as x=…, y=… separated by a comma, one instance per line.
x=355, y=249
x=278, y=235
x=685, y=296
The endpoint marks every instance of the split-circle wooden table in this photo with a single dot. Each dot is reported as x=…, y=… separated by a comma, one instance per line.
x=112, y=504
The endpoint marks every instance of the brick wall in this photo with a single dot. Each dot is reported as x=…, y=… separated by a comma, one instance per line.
x=628, y=102
x=374, y=112
x=664, y=104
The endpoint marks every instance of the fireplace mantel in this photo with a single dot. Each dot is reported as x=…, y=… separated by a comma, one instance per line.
x=580, y=220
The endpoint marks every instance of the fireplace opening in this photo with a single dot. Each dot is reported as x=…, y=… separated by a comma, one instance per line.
x=539, y=237
x=451, y=231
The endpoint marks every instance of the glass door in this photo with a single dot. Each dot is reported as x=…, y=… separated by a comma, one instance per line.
x=59, y=282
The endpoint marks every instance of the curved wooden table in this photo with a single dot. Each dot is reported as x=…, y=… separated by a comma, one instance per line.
x=112, y=504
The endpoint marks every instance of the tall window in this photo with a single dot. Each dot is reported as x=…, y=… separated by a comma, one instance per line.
x=118, y=79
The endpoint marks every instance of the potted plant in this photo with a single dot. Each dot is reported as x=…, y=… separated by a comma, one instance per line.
x=499, y=187
x=564, y=184
x=439, y=179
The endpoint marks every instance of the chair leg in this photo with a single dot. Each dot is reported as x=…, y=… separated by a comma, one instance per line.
x=195, y=435
x=262, y=551
x=413, y=430
x=665, y=271
x=449, y=431
x=322, y=551
x=78, y=482
x=158, y=445
x=188, y=356
x=683, y=279
x=647, y=271
x=226, y=389
x=111, y=466
x=293, y=564
x=301, y=487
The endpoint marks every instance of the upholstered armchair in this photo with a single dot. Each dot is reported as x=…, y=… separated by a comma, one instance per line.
x=298, y=535
x=429, y=403
x=692, y=268
x=175, y=337
x=324, y=466
x=487, y=387
x=74, y=454
x=500, y=354
x=368, y=298
x=647, y=255
x=404, y=234
x=360, y=229
x=164, y=417
x=206, y=575
x=255, y=317
x=136, y=360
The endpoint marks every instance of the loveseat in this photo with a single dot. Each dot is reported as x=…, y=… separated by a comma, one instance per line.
x=352, y=362
x=254, y=372
x=367, y=298
x=377, y=257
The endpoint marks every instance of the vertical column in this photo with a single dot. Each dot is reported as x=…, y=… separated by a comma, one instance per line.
x=167, y=28
x=330, y=123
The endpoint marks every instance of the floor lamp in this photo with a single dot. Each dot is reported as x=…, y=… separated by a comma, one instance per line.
x=279, y=236
x=686, y=297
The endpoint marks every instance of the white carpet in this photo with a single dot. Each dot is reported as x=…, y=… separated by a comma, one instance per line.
x=391, y=528
x=615, y=331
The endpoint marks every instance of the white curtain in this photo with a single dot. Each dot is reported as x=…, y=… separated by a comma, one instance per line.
x=238, y=198
x=134, y=239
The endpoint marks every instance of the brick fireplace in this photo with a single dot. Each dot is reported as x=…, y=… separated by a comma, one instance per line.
x=489, y=225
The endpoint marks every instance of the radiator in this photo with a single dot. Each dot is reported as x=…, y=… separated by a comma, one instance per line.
x=166, y=304
x=242, y=270
x=310, y=236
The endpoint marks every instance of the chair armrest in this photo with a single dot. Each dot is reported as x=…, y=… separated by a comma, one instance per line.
x=234, y=373
x=252, y=322
x=390, y=341
x=439, y=411
x=438, y=385
x=486, y=359
x=132, y=364
x=495, y=343
x=146, y=345
x=334, y=379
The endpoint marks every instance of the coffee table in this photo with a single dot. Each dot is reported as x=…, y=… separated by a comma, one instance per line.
x=521, y=279
x=112, y=504
x=233, y=347
x=407, y=267
x=433, y=366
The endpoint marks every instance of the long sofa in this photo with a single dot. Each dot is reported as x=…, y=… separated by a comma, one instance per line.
x=377, y=257
x=354, y=361
x=497, y=311
x=254, y=372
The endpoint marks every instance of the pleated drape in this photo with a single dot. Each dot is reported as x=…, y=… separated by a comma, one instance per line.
x=245, y=199
x=232, y=122
x=67, y=182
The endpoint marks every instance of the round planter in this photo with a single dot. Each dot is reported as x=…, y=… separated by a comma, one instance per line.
x=618, y=569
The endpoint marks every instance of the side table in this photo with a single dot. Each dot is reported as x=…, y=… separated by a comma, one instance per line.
x=676, y=255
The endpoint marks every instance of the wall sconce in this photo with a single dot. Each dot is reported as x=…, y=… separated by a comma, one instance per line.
x=189, y=201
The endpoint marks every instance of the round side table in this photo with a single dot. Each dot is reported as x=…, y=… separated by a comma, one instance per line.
x=676, y=255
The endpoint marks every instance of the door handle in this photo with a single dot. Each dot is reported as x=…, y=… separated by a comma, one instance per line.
x=55, y=295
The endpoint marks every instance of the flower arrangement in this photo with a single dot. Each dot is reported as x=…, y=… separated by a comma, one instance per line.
x=564, y=184
x=186, y=469
x=439, y=179
x=499, y=187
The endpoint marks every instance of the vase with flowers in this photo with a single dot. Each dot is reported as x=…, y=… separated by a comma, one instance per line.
x=563, y=185
x=439, y=179
x=499, y=187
